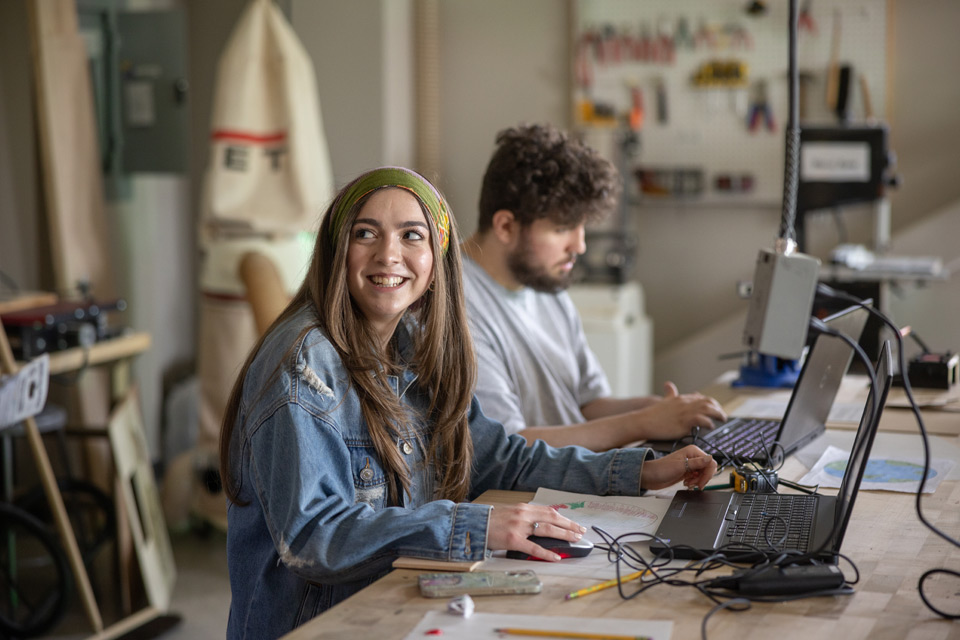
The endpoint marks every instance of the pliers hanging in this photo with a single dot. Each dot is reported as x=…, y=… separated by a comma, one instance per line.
x=805, y=19
x=760, y=109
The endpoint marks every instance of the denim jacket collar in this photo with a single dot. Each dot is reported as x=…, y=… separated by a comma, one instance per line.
x=406, y=351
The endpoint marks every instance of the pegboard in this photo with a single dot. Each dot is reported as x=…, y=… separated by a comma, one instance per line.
x=695, y=144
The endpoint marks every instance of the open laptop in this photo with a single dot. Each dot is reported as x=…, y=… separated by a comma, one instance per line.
x=698, y=523
x=817, y=385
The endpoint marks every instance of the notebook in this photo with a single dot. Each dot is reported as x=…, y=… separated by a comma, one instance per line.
x=806, y=415
x=698, y=523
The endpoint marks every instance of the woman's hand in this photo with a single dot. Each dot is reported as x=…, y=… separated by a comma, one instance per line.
x=689, y=464
x=510, y=527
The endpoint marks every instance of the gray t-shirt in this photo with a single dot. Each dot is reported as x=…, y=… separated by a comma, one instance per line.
x=534, y=365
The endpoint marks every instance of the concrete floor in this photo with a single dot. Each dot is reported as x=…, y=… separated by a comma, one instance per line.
x=201, y=596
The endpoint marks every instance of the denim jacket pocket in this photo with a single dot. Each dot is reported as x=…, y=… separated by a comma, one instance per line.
x=316, y=598
x=369, y=481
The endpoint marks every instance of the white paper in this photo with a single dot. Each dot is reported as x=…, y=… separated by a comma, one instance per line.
x=947, y=399
x=614, y=514
x=886, y=473
x=766, y=407
x=482, y=626
x=835, y=161
x=23, y=394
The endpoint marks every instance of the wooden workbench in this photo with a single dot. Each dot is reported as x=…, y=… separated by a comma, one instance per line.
x=890, y=547
x=885, y=539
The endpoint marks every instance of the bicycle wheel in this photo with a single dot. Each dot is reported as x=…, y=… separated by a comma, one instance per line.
x=34, y=575
x=90, y=511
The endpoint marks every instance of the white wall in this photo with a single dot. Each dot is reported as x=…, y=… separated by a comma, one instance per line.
x=20, y=216
x=362, y=54
x=932, y=309
x=506, y=62
x=502, y=63
x=924, y=106
x=156, y=276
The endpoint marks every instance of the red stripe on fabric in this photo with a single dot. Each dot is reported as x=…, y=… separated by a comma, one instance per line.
x=249, y=137
x=223, y=297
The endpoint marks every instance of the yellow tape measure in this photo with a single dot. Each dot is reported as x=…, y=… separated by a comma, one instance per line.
x=753, y=480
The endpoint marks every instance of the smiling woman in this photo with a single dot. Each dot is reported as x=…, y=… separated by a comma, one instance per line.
x=389, y=258
x=352, y=436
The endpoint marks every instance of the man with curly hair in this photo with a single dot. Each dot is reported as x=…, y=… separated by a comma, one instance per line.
x=537, y=375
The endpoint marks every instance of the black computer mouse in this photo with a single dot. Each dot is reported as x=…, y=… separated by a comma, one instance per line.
x=563, y=548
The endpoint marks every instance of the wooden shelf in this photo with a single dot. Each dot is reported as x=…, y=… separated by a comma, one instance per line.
x=125, y=346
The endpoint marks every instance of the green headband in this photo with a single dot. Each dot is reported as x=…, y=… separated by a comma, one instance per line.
x=413, y=182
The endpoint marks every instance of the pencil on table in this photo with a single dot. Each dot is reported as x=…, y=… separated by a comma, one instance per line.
x=542, y=633
x=600, y=586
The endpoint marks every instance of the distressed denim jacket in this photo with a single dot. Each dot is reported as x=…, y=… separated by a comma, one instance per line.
x=317, y=527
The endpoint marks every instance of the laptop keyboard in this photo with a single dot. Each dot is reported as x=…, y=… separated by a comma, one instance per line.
x=745, y=437
x=756, y=510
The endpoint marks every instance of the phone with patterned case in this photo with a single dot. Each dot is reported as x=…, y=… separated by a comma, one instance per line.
x=478, y=583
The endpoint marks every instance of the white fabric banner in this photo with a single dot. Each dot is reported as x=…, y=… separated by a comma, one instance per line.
x=269, y=165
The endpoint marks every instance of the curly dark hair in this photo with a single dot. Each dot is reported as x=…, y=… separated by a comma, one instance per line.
x=538, y=171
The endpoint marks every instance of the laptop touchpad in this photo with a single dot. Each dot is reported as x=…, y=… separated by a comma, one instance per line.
x=700, y=506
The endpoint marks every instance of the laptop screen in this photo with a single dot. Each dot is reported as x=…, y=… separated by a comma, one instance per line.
x=860, y=452
x=828, y=361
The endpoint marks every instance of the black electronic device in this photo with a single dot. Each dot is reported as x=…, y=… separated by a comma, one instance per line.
x=932, y=371
x=841, y=165
x=63, y=325
x=774, y=581
x=563, y=548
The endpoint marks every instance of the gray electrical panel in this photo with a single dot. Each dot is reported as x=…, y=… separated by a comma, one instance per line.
x=138, y=71
x=153, y=91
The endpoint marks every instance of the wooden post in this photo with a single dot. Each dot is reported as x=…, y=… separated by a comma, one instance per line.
x=55, y=500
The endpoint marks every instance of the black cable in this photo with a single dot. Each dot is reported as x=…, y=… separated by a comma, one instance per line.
x=728, y=459
x=841, y=227
x=658, y=573
x=743, y=603
x=842, y=295
x=923, y=595
x=801, y=487
x=792, y=134
x=829, y=291
x=770, y=452
x=823, y=327
x=921, y=343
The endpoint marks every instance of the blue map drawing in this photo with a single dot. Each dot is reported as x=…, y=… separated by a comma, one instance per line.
x=883, y=471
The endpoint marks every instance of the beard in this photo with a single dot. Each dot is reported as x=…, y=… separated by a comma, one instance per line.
x=536, y=276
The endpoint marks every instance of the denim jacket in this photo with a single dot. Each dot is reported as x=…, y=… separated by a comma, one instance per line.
x=317, y=527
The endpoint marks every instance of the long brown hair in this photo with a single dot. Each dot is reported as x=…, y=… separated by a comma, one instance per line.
x=444, y=361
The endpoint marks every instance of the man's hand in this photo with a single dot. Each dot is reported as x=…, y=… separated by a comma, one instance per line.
x=676, y=415
x=690, y=464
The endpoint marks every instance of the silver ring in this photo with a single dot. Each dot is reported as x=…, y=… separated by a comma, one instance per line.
x=686, y=465
x=536, y=525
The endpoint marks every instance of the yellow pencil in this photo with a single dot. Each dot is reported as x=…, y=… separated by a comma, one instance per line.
x=540, y=633
x=600, y=586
